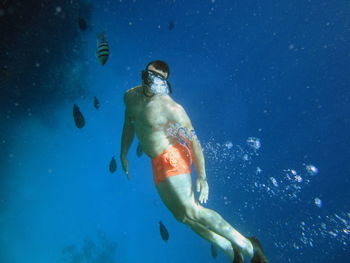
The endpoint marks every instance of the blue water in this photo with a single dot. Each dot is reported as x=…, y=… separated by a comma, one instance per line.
x=275, y=72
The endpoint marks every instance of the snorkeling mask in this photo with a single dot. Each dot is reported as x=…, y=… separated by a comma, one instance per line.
x=156, y=82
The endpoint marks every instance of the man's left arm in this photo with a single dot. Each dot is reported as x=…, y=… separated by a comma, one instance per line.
x=187, y=134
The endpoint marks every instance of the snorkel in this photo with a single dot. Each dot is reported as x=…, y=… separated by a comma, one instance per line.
x=156, y=83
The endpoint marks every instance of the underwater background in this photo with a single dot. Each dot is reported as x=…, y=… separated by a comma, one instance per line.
x=265, y=83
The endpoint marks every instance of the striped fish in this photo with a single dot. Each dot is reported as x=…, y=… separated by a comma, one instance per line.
x=102, y=52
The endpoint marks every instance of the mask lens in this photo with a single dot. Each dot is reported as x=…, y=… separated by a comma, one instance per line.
x=156, y=82
x=149, y=77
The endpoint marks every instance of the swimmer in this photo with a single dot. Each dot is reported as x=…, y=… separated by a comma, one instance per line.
x=149, y=113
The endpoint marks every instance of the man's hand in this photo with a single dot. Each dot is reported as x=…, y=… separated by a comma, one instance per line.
x=125, y=166
x=203, y=188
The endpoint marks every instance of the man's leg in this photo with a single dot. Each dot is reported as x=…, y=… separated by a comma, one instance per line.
x=177, y=194
x=212, y=237
x=250, y=246
x=213, y=221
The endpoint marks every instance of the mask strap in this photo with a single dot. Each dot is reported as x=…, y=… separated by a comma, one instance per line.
x=169, y=87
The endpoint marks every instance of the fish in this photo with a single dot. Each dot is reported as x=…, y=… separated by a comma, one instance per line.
x=78, y=117
x=82, y=24
x=113, y=165
x=96, y=103
x=102, y=51
x=139, y=150
x=163, y=231
x=171, y=25
x=214, y=251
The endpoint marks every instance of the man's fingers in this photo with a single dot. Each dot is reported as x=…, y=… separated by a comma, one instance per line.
x=203, y=188
x=198, y=186
x=207, y=194
x=203, y=197
x=125, y=167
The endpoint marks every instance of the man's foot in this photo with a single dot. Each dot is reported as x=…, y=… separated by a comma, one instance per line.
x=259, y=255
x=238, y=257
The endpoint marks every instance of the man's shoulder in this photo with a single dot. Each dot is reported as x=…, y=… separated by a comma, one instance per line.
x=131, y=92
x=173, y=103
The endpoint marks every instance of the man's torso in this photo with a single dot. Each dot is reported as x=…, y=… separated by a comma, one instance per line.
x=151, y=118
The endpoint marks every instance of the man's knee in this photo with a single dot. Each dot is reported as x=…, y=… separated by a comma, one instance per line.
x=194, y=211
x=181, y=218
x=189, y=213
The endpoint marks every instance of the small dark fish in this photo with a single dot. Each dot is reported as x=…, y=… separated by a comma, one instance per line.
x=139, y=150
x=82, y=24
x=163, y=231
x=171, y=25
x=214, y=251
x=113, y=165
x=78, y=117
x=102, y=51
x=96, y=103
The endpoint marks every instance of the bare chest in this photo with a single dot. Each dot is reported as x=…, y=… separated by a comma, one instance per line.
x=149, y=113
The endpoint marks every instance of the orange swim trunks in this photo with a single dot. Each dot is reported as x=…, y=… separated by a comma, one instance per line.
x=175, y=160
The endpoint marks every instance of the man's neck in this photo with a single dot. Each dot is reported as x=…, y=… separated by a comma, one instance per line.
x=147, y=92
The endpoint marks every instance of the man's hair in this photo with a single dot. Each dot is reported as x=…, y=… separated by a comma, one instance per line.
x=160, y=65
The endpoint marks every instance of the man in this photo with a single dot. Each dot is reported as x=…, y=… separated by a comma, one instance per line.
x=166, y=135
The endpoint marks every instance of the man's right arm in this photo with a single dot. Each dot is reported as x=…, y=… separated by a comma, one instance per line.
x=126, y=141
